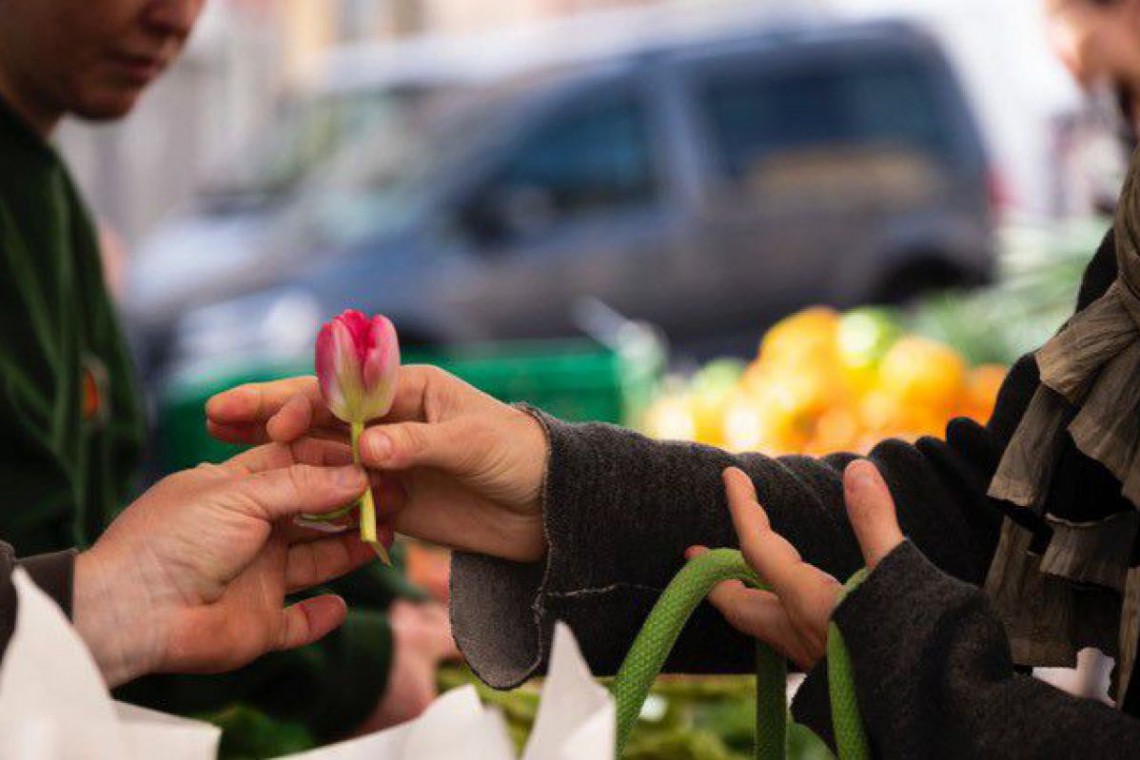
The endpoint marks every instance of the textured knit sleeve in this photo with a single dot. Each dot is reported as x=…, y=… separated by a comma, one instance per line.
x=51, y=572
x=935, y=678
x=621, y=509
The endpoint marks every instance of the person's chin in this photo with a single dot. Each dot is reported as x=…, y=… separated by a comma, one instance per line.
x=107, y=106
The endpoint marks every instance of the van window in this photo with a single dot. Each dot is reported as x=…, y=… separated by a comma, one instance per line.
x=883, y=102
x=595, y=159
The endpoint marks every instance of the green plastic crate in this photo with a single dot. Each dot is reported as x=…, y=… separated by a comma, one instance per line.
x=576, y=380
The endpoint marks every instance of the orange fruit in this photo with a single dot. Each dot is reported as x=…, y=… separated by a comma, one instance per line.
x=881, y=413
x=923, y=374
x=837, y=429
x=808, y=337
x=982, y=388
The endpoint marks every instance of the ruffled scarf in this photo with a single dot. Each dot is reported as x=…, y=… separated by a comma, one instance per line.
x=1080, y=586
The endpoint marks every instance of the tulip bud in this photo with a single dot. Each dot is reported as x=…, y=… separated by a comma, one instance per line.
x=357, y=363
x=358, y=360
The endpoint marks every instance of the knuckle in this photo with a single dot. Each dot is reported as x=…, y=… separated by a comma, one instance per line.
x=211, y=469
x=301, y=478
x=414, y=439
x=433, y=374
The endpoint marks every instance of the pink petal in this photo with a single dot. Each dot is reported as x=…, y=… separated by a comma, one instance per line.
x=359, y=327
x=381, y=367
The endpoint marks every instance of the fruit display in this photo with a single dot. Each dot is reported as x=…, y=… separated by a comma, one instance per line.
x=823, y=381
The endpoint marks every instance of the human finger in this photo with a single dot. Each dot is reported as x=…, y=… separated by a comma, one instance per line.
x=299, y=489
x=774, y=559
x=405, y=445
x=871, y=510
x=310, y=620
x=315, y=562
x=256, y=403
x=238, y=433
x=311, y=451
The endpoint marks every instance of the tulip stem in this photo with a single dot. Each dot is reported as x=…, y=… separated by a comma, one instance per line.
x=367, y=504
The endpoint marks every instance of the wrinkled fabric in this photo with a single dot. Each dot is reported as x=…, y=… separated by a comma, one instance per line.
x=1088, y=394
x=53, y=573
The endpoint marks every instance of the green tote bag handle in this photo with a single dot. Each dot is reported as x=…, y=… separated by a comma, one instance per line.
x=663, y=626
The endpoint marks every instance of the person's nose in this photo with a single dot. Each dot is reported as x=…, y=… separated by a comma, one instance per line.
x=174, y=18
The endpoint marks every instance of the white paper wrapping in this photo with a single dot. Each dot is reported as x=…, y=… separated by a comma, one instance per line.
x=54, y=705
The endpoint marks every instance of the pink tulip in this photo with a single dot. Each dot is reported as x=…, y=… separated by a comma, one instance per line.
x=358, y=360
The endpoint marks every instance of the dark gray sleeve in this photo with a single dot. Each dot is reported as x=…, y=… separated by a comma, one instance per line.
x=621, y=509
x=935, y=678
x=51, y=572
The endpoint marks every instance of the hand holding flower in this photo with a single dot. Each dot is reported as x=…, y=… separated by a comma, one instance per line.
x=459, y=468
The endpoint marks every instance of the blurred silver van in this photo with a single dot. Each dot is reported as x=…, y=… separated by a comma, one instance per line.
x=706, y=186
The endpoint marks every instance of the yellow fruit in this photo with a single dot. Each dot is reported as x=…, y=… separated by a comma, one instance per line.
x=756, y=423
x=923, y=373
x=671, y=419
x=706, y=411
x=809, y=337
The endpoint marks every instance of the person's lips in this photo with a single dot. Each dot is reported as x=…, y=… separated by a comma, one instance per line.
x=140, y=69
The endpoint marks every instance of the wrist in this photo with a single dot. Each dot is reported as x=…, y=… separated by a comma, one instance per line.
x=535, y=467
x=109, y=611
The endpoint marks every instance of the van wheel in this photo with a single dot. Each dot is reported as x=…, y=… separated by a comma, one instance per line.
x=921, y=277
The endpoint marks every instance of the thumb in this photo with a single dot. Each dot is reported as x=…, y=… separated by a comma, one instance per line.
x=300, y=489
x=871, y=510
x=416, y=444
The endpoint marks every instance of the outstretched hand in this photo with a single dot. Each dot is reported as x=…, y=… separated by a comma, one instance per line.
x=459, y=468
x=192, y=577
x=793, y=615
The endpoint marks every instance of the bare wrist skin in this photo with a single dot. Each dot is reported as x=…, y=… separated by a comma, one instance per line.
x=110, y=613
x=533, y=532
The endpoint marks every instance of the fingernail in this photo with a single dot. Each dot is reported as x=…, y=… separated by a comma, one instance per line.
x=860, y=473
x=379, y=445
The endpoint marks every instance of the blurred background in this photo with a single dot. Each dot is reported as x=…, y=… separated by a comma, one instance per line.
x=789, y=226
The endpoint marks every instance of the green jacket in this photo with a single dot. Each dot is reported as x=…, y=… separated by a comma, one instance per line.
x=71, y=431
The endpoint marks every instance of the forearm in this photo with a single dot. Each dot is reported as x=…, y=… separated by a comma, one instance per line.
x=935, y=678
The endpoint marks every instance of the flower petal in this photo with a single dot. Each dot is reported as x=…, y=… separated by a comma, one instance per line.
x=381, y=368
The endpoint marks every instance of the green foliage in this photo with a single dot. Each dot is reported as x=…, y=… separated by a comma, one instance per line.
x=248, y=734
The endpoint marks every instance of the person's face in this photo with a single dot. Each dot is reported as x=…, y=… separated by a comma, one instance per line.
x=91, y=58
x=1098, y=41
